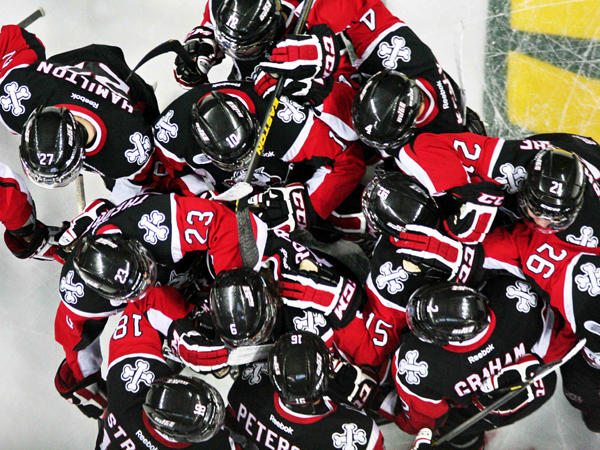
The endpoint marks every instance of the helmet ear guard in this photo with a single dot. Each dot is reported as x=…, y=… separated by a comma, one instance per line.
x=385, y=110
x=553, y=190
x=117, y=268
x=52, y=147
x=445, y=312
x=184, y=409
x=299, y=367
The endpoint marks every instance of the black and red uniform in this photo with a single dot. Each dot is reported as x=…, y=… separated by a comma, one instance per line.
x=257, y=416
x=175, y=230
x=437, y=385
x=135, y=362
x=319, y=146
x=90, y=83
x=16, y=205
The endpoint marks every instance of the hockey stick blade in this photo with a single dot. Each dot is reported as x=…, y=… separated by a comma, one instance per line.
x=235, y=192
x=172, y=45
x=248, y=354
x=515, y=390
x=32, y=18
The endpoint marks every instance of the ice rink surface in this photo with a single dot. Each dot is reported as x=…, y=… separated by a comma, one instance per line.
x=32, y=414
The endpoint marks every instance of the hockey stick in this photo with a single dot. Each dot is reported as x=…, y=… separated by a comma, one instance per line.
x=172, y=45
x=80, y=193
x=248, y=248
x=32, y=18
x=542, y=371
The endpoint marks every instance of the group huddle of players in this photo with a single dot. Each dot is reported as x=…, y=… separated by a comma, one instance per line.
x=482, y=251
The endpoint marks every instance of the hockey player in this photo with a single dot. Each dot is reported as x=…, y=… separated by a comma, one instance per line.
x=285, y=403
x=75, y=110
x=25, y=236
x=149, y=405
x=155, y=238
x=211, y=132
x=465, y=348
x=559, y=172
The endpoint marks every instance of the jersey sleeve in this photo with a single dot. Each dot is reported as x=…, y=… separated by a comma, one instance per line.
x=18, y=48
x=16, y=204
x=503, y=246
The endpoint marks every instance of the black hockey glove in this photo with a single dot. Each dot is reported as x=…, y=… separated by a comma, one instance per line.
x=188, y=340
x=41, y=245
x=285, y=208
x=439, y=257
x=312, y=91
x=324, y=291
x=89, y=394
x=80, y=224
x=471, y=209
x=301, y=56
x=202, y=48
x=510, y=376
x=352, y=384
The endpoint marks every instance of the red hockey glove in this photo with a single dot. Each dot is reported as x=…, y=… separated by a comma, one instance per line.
x=336, y=297
x=89, y=394
x=315, y=55
x=194, y=348
x=42, y=245
x=284, y=208
x=423, y=440
x=202, y=48
x=352, y=384
x=80, y=224
x=309, y=90
x=510, y=376
x=437, y=256
x=475, y=206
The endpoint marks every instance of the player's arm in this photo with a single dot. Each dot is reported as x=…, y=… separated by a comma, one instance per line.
x=18, y=47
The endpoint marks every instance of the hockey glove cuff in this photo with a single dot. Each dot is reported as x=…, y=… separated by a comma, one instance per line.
x=89, y=394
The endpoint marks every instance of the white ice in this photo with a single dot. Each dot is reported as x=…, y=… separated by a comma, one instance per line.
x=32, y=414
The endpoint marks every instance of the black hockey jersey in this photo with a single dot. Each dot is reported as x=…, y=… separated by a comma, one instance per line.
x=135, y=362
x=257, y=414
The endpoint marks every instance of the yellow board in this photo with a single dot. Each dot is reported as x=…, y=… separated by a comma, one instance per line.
x=544, y=98
x=574, y=18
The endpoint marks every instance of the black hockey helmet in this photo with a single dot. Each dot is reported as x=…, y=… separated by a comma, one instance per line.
x=447, y=312
x=393, y=200
x=385, y=110
x=243, y=307
x=185, y=409
x=115, y=267
x=553, y=190
x=299, y=367
x=51, y=149
x=246, y=29
x=225, y=130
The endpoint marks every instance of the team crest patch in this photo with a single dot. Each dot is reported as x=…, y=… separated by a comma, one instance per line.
x=134, y=376
x=586, y=237
x=589, y=280
x=141, y=149
x=522, y=292
x=310, y=322
x=512, y=177
x=71, y=291
x=351, y=436
x=253, y=373
x=392, y=53
x=412, y=369
x=155, y=231
x=390, y=278
x=165, y=130
x=291, y=111
x=13, y=100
